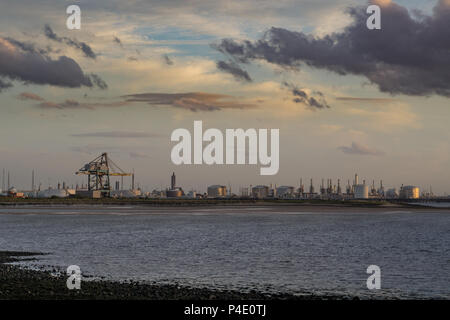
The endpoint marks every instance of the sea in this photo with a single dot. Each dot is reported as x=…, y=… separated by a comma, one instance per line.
x=273, y=249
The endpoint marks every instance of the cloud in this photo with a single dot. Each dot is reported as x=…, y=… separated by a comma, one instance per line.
x=82, y=46
x=118, y=41
x=302, y=96
x=366, y=100
x=194, y=101
x=75, y=104
x=407, y=56
x=28, y=47
x=30, y=96
x=138, y=155
x=99, y=82
x=4, y=85
x=24, y=62
x=118, y=134
x=234, y=69
x=167, y=60
x=359, y=149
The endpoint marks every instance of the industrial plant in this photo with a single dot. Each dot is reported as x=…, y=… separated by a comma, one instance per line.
x=101, y=171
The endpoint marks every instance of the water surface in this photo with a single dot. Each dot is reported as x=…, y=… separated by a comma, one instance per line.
x=294, y=250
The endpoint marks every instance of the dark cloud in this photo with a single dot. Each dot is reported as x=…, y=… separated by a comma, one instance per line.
x=82, y=46
x=234, y=69
x=359, y=149
x=118, y=41
x=194, y=101
x=315, y=100
x=408, y=55
x=118, y=134
x=28, y=47
x=167, y=60
x=99, y=82
x=4, y=85
x=24, y=62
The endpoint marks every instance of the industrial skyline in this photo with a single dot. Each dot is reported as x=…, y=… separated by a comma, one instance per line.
x=101, y=171
x=136, y=71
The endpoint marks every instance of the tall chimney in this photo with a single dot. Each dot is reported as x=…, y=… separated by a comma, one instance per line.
x=173, y=182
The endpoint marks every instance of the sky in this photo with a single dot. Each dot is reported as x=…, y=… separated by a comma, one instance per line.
x=346, y=99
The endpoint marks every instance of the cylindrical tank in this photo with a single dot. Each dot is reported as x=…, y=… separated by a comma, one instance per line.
x=361, y=191
x=217, y=191
x=410, y=192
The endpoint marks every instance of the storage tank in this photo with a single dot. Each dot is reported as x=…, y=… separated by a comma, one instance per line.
x=260, y=192
x=361, y=191
x=285, y=192
x=175, y=193
x=410, y=192
x=217, y=191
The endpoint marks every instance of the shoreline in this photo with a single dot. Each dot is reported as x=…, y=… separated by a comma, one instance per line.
x=19, y=283
x=261, y=208
x=215, y=203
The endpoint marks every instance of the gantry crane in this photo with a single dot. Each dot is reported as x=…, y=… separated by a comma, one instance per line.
x=99, y=170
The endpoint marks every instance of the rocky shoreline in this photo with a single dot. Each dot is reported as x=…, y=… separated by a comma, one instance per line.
x=19, y=283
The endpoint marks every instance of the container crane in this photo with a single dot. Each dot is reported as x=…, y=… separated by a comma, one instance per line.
x=99, y=172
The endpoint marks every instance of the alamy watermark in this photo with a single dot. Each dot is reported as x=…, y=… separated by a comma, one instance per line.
x=74, y=19
x=231, y=151
x=74, y=280
x=374, y=21
x=374, y=280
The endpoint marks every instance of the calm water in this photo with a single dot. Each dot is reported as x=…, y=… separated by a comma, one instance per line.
x=273, y=249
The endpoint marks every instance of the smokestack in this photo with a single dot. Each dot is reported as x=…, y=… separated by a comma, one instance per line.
x=8, y=181
x=32, y=180
x=3, y=180
x=132, y=181
x=173, y=181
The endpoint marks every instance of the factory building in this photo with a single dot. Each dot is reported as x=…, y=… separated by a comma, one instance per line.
x=244, y=191
x=361, y=191
x=409, y=192
x=217, y=191
x=260, y=192
x=174, y=191
x=53, y=193
x=391, y=193
x=285, y=192
x=12, y=192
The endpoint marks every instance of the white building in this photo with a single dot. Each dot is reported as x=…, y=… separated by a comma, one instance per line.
x=361, y=191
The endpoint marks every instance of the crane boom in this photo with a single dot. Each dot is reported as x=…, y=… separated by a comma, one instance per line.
x=99, y=170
